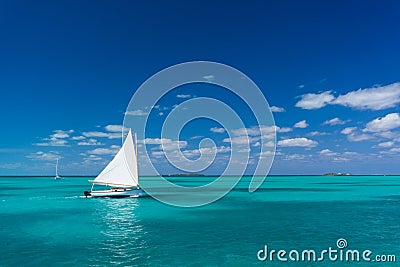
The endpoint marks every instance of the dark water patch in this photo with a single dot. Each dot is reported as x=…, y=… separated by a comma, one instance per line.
x=343, y=183
x=290, y=189
x=392, y=197
x=377, y=185
x=7, y=195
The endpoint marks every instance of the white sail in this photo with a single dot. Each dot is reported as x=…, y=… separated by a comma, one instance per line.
x=57, y=176
x=123, y=169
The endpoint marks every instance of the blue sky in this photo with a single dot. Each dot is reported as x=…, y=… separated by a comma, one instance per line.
x=330, y=69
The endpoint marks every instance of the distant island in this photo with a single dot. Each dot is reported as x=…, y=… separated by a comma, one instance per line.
x=184, y=175
x=337, y=174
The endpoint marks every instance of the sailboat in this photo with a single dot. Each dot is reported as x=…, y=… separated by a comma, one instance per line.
x=57, y=177
x=121, y=174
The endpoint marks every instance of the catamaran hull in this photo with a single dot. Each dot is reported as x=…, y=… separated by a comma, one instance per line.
x=117, y=193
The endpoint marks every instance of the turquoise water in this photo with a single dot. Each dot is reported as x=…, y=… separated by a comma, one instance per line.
x=44, y=222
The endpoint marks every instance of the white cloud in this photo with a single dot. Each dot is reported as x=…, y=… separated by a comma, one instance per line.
x=240, y=140
x=389, y=122
x=105, y=151
x=376, y=98
x=301, y=86
x=387, y=134
x=315, y=101
x=110, y=135
x=269, y=144
x=348, y=130
x=353, y=135
x=183, y=96
x=334, y=121
x=90, y=142
x=78, y=138
x=48, y=156
x=217, y=130
x=386, y=144
x=316, y=133
x=53, y=142
x=394, y=150
x=209, y=77
x=206, y=151
x=357, y=137
x=137, y=112
x=115, y=128
x=93, y=158
x=166, y=143
x=155, y=141
x=297, y=142
x=295, y=157
x=56, y=139
x=301, y=124
x=256, y=144
x=277, y=109
x=257, y=130
x=283, y=129
x=173, y=145
x=327, y=152
x=60, y=134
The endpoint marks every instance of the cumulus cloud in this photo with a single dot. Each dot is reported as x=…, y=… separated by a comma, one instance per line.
x=334, y=121
x=90, y=142
x=209, y=77
x=53, y=142
x=115, y=128
x=348, y=130
x=78, y=138
x=315, y=101
x=389, y=122
x=217, y=130
x=327, y=152
x=105, y=151
x=60, y=134
x=316, y=133
x=48, y=156
x=375, y=98
x=110, y=135
x=386, y=144
x=357, y=137
x=56, y=139
x=301, y=124
x=277, y=109
x=283, y=129
x=183, y=96
x=166, y=143
x=297, y=142
x=137, y=112
x=93, y=158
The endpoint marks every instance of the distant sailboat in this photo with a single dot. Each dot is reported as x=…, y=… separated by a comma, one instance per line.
x=121, y=174
x=57, y=177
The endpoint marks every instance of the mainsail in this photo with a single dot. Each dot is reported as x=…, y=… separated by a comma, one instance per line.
x=123, y=169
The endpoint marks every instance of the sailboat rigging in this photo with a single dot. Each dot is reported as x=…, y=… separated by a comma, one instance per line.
x=121, y=174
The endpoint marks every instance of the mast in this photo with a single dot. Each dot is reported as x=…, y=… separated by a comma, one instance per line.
x=122, y=170
x=57, y=168
x=137, y=158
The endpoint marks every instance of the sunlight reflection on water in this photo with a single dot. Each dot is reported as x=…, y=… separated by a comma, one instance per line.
x=123, y=233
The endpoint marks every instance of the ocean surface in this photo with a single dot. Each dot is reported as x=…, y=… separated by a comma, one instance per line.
x=44, y=222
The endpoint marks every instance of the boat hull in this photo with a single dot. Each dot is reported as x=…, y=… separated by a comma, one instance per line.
x=117, y=193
